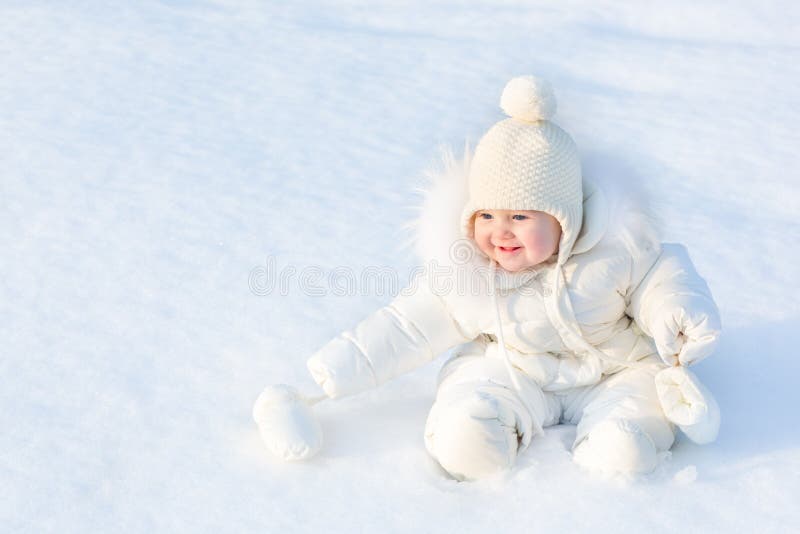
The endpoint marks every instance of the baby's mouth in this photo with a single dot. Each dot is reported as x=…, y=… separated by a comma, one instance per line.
x=509, y=250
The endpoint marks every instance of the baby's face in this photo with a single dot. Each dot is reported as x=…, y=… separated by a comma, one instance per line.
x=517, y=239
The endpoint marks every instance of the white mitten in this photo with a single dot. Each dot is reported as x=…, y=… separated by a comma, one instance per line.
x=686, y=331
x=687, y=403
x=287, y=424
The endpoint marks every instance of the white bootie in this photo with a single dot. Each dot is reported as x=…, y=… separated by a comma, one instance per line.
x=474, y=437
x=287, y=424
x=617, y=446
x=688, y=404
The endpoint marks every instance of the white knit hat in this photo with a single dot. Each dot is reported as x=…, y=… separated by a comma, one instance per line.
x=528, y=163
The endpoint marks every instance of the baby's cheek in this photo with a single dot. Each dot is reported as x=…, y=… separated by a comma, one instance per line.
x=483, y=245
x=544, y=242
x=539, y=249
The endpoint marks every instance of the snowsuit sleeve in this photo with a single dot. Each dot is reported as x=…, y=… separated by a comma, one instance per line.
x=672, y=303
x=407, y=333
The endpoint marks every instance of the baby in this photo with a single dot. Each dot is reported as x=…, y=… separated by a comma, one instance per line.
x=572, y=311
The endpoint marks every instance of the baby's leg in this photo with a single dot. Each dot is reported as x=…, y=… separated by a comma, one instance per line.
x=479, y=422
x=621, y=426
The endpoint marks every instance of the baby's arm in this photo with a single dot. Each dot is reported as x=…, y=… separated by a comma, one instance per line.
x=407, y=333
x=672, y=303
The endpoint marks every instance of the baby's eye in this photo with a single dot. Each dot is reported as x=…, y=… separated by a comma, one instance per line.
x=485, y=216
x=519, y=217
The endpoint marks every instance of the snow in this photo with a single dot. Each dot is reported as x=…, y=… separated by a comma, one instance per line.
x=155, y=153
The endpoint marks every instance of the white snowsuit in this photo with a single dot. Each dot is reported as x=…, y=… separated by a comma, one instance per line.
x=621, y=289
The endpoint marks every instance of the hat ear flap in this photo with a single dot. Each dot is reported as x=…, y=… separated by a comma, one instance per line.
x=470, y=229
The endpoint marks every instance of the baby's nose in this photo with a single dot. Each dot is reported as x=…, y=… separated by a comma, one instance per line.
x=504, y=230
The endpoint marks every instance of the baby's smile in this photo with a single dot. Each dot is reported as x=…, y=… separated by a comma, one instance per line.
x=517, y=239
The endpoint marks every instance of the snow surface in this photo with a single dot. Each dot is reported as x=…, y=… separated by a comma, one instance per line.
x=155, y=153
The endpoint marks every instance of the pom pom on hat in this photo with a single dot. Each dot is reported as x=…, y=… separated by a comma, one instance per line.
x=529, y=99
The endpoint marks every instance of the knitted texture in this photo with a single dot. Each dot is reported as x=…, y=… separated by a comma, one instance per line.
x=524, y=164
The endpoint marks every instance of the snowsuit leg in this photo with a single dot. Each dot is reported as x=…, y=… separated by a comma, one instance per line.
x=621, y=426
x=479, y=422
